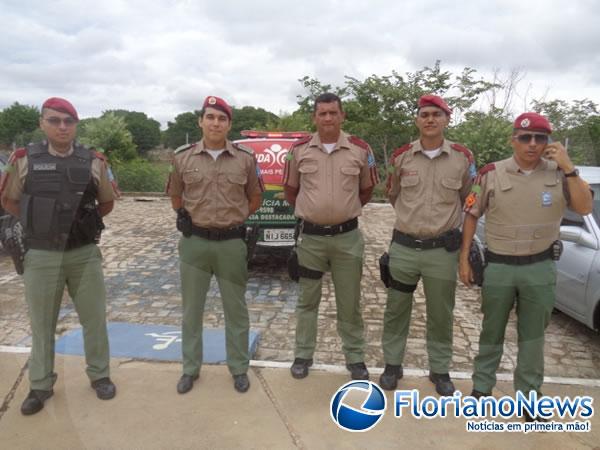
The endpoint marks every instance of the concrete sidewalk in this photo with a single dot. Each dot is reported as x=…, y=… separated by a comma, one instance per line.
x=278, y=412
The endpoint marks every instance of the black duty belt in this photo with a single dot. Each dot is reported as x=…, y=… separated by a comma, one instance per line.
x=329, y=230
x=420, y=244
x=491, y=257
x=219, y=234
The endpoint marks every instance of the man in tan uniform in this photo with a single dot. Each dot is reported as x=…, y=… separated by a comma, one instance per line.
x=523, y=198
x=214, y=186
x=429, y=180
x=329, y=176
x=59, y=189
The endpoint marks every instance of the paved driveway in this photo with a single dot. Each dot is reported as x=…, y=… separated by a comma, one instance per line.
x=141, y=270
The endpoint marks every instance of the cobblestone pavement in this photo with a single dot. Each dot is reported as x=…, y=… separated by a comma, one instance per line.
x=142, y=278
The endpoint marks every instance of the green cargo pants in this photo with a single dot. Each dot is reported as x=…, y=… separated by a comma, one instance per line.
x=343, y=255
x=46, y=274
x=199, y=259
x=532, y=287
x=437, y=267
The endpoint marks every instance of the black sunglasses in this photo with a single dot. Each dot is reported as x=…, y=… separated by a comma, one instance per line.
x=526, y=138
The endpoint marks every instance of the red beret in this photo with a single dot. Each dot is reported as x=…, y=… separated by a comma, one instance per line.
x=532, y=122
x=434, y=100
x=61, y=105
x=218, y=103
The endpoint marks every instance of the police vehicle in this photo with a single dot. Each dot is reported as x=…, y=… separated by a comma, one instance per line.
x=272, y=226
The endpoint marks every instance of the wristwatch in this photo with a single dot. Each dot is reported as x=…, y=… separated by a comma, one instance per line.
x=575, y=173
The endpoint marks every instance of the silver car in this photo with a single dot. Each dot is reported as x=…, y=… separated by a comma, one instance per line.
x=578, y=270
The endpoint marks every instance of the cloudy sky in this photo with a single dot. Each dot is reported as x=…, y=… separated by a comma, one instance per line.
x=163, y=57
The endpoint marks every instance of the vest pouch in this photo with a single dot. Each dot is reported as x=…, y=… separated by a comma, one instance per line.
x=78, y=176
x=42, y=215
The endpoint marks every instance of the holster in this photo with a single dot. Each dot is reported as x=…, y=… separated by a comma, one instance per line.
x=14, y=243
x=453, y=240
x=184, y=222
x=384, y=269
x=477, y=264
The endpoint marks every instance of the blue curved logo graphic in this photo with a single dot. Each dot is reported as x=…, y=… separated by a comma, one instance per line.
x=365, y=417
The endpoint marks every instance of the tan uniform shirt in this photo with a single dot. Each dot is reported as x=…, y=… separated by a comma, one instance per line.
x=214, y=193
x=522, y=212
x=428, y=194
x=11, y=187
x=329, y=183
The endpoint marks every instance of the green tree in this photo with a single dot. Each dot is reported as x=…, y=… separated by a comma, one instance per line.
x=183, y=130
x=144, y=130
x=110, y=134
x=486, y=134
x=381, y=109
x=250, y=118
x=17, y=122
x=573, y=123
x=296, y=121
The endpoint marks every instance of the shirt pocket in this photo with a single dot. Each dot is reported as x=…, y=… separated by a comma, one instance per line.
x=409, y=187
x=350, y=178
x=196, y=184
x=309, y=174
x=235, y=186
x=450, y=190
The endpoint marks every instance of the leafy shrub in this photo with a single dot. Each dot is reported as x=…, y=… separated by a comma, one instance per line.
x=139, y=175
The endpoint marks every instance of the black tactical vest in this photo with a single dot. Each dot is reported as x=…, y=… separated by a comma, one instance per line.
x=58, y=205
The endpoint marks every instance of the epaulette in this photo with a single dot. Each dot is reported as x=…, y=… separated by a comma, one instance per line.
x=400, y=150
x=17, y=154
x=487, y=168
x=243, y=148
x=99, y=155
x=464, y=150
x=184, y=147
x=359, y=142
x=300, y=141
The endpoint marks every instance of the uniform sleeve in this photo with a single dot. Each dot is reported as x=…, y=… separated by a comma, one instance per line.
x=368, y=174
x=255, y=184
x=393, y=182
x=12, y=178
x=291, y=176
x=106, y=192
x=175, y=182
x=477, y=201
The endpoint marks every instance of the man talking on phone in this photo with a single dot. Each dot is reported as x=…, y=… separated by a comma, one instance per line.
x=523, y=198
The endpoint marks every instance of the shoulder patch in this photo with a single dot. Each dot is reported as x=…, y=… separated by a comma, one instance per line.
x=400, y=150
x=359, y=142
x=464, y=150
x=487, y=168
x=184, y=147
x=243, y=148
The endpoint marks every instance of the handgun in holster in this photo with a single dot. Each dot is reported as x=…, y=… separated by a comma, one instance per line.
x=14, y=243
x=184, y=222
x=477, y=264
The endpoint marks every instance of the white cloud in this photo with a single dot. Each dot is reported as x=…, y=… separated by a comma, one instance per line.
x=164, y=57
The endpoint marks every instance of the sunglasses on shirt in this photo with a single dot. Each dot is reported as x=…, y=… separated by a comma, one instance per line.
x=526, y=138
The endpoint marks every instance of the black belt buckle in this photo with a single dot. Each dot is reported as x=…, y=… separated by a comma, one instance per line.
x=418, y=244
x=214, y=234
x=327, y=230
